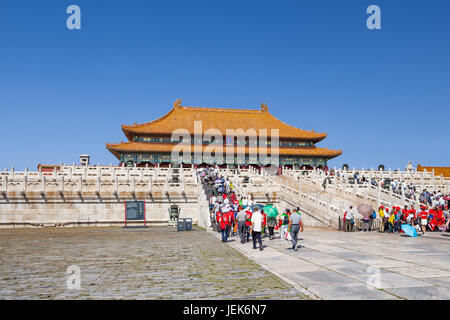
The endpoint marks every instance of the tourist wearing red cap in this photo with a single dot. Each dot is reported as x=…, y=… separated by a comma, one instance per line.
x=386, y=220
x=405, y=214
x=423, y=219
x=248, y=222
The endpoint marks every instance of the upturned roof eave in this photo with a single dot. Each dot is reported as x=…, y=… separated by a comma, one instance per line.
x=160, y=147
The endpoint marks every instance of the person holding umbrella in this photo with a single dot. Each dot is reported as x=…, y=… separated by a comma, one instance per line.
x=272, y=214
x=366, y=211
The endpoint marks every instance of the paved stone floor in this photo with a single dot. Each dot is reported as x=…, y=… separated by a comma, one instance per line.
x=116, y=263
x=360, y=265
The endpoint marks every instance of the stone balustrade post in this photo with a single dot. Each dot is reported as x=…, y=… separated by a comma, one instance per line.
x=12, y=173
x=404, y=197
x=61, y=188
x=433, y=181
x=80, y=185
x=24, y=186
x=5, y=178
x=378, y=193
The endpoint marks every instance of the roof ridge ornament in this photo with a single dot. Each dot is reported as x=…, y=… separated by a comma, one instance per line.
x=177, y=103
x=264, y=107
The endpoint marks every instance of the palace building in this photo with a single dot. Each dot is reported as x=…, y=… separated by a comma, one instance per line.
x=253, y=132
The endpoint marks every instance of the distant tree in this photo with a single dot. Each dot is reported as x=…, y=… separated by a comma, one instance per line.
x=381, y=167
x=345, y=166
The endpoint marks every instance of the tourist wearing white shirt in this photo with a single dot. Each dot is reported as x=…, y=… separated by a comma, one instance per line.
x=256, y=229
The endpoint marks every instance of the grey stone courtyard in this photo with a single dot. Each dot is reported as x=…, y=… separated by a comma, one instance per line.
x=360, y=265
x=161, y=263
x=116, y=263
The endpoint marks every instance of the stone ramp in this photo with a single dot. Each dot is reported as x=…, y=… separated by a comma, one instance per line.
x=337, y=265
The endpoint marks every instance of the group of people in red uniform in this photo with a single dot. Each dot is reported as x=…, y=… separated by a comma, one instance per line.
x=433, y=219
x=235, y=216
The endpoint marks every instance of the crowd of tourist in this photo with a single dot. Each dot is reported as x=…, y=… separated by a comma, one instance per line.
x=234, y=215
x=431, y=214
x=391, y=219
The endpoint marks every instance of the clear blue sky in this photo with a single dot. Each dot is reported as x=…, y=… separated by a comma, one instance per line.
x=383, y=96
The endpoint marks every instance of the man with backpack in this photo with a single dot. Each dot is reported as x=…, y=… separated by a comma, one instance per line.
x=349, y=219
x=295, y=225
x=284, y=224
x=372, y=217
x=271, y=223
x=225, y=224
x=241, y=221
x=248, y=222
x=218, y=220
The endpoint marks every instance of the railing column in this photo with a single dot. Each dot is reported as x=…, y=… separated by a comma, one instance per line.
x=80, y=185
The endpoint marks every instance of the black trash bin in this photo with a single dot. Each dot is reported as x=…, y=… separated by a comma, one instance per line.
x=184, y=224
x=188, y=224
x=181, y=225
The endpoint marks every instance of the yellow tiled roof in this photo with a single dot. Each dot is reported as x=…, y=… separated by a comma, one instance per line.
x=181, y=117
x=445, y=171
